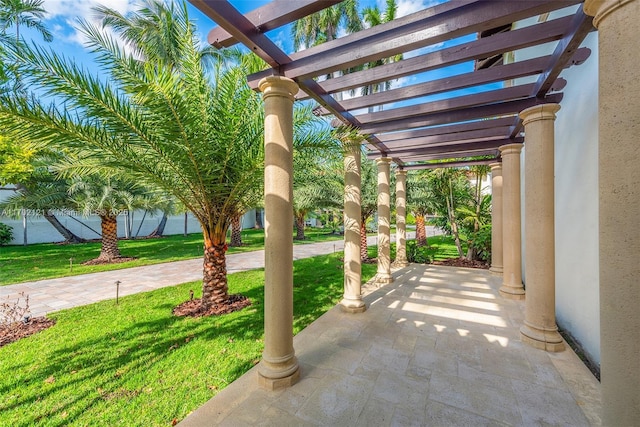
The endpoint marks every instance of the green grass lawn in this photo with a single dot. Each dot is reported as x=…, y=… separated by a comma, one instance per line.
x=135, y=364
x=45, y=261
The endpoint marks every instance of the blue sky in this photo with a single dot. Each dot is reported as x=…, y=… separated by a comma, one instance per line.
x=63, y=14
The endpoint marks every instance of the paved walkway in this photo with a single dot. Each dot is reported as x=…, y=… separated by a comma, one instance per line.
x=438, y=347
x=50, y=295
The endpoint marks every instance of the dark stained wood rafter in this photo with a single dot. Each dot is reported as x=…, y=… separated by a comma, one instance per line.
x=451, y=147
x=430, y=26
x=270, y=16
x=456, y=116
x=454, y=164
x=444, y=130
x=444, y=139
x=518, y=39
x=448, y=104
x=470, y=125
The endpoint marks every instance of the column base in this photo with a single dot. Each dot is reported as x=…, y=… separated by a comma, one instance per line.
x=497, y=270
x=400, y=263
x=542, y=338
x=383, y=279
x=273, y=384
x=353, y=305
x=512, y=292
x=278, y=374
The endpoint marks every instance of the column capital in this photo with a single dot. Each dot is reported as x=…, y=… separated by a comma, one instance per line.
x=383, y=160
x=278, y=86
x=401, y=172
x=495, y=166
x=539, y=112
x=510, y=149
x=600, y=9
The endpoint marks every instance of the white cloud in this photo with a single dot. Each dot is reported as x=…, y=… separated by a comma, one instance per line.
x=69, y=11
x=407, y=7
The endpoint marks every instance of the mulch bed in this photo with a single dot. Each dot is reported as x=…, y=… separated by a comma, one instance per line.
x=118, y=260
x=462, y=262
x=194, y=308
x=19, y=330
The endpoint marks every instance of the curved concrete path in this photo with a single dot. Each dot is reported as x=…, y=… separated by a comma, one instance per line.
x=50, y=295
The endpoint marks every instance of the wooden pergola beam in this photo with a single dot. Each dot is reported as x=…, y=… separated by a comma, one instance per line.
x=450, y=147
x=456, y=164
x=482, y=48
x=449, y=104
x=448, y=139
x=443, y=130
x=461, y=81
x=457, y=116
x=427, y=27
x=441, y=156
x=270, y=16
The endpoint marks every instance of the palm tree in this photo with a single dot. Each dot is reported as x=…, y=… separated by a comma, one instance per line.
x=372, y=16
x=29, y=13
x=368, y=201
x=195, y=133
x=420, y=202
x=323, y=26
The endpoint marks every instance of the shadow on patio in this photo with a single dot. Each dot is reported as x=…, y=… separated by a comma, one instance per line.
x=439, y=346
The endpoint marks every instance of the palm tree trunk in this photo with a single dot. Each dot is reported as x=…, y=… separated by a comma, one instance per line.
x=259, y=219
x=364, y=253
x=421, y=234
x=214, y=282
x=236, y=231
x=300, y=226
x=109, y=249
x=160, y=228
x=68, y=235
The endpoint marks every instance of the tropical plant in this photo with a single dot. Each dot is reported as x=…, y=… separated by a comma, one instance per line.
x=195, y=133
x=420, y=202
x=6, y=234
x=451, y=189
x=368, y=200
x=29, y=13
x=478, y=212
x=323, y=26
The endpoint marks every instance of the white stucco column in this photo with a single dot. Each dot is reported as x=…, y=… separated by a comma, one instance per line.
x=496, y=218
x=384, y=221
x=352, y=300
x=401, y=219
x=279, y=366
x=619, y=192
x=511, y=223
x=539, y=329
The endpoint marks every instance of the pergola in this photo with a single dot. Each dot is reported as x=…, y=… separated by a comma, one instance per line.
x=429, y=123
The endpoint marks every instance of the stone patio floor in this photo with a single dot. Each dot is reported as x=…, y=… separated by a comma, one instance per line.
x=438, y=347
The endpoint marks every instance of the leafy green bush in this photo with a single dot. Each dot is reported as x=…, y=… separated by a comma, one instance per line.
x=6, y=234
x=418, y=254
x=481, y=241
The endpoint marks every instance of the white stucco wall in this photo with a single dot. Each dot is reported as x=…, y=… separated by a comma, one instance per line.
x=576, y=199
x=576, y=205
x=40, y=231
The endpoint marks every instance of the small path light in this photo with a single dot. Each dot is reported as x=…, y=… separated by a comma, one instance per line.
x=71, y=264
x=117, y=290
x=190, y=294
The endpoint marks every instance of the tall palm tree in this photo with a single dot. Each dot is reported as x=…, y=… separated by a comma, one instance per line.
x=195, y=133
x=420, y=202
x=28, y=13
x=323, y=26
x=373, y=16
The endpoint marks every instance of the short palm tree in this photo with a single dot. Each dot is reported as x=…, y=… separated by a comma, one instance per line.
x=196, y=133
x=420, y=202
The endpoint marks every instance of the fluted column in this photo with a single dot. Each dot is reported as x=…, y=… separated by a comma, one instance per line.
x=384, y=222
x=279, y=366
x=401, y=219
x=619, y=191
x=511, y=238
x=352, y=300
x=539, y=329
x=496, y=218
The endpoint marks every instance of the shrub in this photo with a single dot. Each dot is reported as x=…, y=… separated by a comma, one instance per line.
x=418, y=254
x=6, y=234
x=481, y=241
